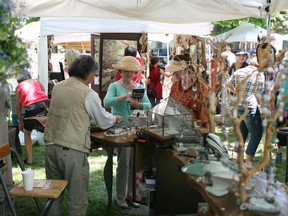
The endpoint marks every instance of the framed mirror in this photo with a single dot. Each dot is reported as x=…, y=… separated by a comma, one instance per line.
x=111, y=51
x=95, y=52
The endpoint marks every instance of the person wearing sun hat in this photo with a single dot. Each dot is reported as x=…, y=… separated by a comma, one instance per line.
x=131, y=51
x=118, y=98
x=241, y=57
x=190, y=89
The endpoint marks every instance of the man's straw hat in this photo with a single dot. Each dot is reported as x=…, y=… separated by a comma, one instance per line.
x=128, y=63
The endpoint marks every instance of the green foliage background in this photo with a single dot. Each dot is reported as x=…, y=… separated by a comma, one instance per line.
x=279, y=23
x=13, y=55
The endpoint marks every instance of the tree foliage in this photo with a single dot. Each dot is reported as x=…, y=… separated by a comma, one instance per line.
x=13, y=55
x=27, y=20
x=279, y=23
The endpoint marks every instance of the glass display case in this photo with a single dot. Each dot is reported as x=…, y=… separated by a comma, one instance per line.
x=188, y=139
x=168, y=118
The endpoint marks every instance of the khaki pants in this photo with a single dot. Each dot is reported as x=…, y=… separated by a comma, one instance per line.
x=124, y=172
x=72, y=165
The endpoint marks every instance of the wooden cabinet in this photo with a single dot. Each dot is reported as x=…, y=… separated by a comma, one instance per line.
x=173, y=194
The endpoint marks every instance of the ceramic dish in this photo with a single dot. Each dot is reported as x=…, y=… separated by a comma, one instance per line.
x=217, y=169
x=217, y=147
x=216, y=192
x=195, y=168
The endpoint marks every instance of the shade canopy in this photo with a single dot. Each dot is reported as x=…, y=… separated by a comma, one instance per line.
x=125, y=12
x=248, y=32
x=66, y=25
x=242, y=33
x=168, y=11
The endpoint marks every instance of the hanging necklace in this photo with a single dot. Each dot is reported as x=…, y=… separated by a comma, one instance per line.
x=194, y=90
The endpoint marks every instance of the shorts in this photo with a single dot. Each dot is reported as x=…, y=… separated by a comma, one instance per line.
x=36, y=109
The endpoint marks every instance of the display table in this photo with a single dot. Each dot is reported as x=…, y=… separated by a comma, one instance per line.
x=173, y=194
x=109, y=143
x=224, y=205
x=14, y=140
x=98, y=139
x=37, y=122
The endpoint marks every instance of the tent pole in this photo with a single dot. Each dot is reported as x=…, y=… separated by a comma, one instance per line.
x=167, y=47
x=268, y=25
x=43, y=62
x=268, y=17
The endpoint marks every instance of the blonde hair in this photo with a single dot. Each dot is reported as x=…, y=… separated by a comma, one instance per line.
x=70, y=55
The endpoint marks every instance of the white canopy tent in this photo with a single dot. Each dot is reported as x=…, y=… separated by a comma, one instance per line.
x=165, y=16
x=168, y=11
x=248, y=32
x=242, y=33
x=79, y=29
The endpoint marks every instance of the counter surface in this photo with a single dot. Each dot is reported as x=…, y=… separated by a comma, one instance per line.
x=224, y=205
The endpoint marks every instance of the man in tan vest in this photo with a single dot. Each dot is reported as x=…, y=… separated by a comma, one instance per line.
x=67, y=133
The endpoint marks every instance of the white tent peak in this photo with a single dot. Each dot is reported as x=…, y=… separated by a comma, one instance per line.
x=166, y=11
x=242, y=33
x=29, y=32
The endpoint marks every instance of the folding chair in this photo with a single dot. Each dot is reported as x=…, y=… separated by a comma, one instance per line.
x=6, y=150
x=56, y=187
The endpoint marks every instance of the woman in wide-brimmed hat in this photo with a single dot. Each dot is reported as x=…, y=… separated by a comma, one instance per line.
x=118, y=98
x=189, y=89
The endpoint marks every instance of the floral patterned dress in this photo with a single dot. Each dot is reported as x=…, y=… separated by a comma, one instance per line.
x=195, y=98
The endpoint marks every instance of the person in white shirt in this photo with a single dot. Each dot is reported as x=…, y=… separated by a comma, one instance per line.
x=67, y=133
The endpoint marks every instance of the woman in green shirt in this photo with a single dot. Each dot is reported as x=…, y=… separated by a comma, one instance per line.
x=119, y=99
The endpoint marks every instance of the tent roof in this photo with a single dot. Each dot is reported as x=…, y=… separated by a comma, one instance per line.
x=66, y=31
x=168, y=11
x=242, y=33
x=67, y=25
x=248, y=32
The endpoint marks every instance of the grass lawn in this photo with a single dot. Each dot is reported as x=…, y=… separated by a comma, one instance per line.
x=230, y=142
x=97, y=190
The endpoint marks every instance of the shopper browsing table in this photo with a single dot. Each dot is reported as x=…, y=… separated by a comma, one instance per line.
x=67, y=133
x=118, y=98
x=30, y=95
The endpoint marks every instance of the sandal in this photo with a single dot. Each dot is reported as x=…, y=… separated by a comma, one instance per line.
x=26, y=162
x=132, y=204
x=121, y=203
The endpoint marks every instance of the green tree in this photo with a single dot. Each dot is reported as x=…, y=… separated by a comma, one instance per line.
x=279, y=23
x=27, y=20
x=13, y=55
